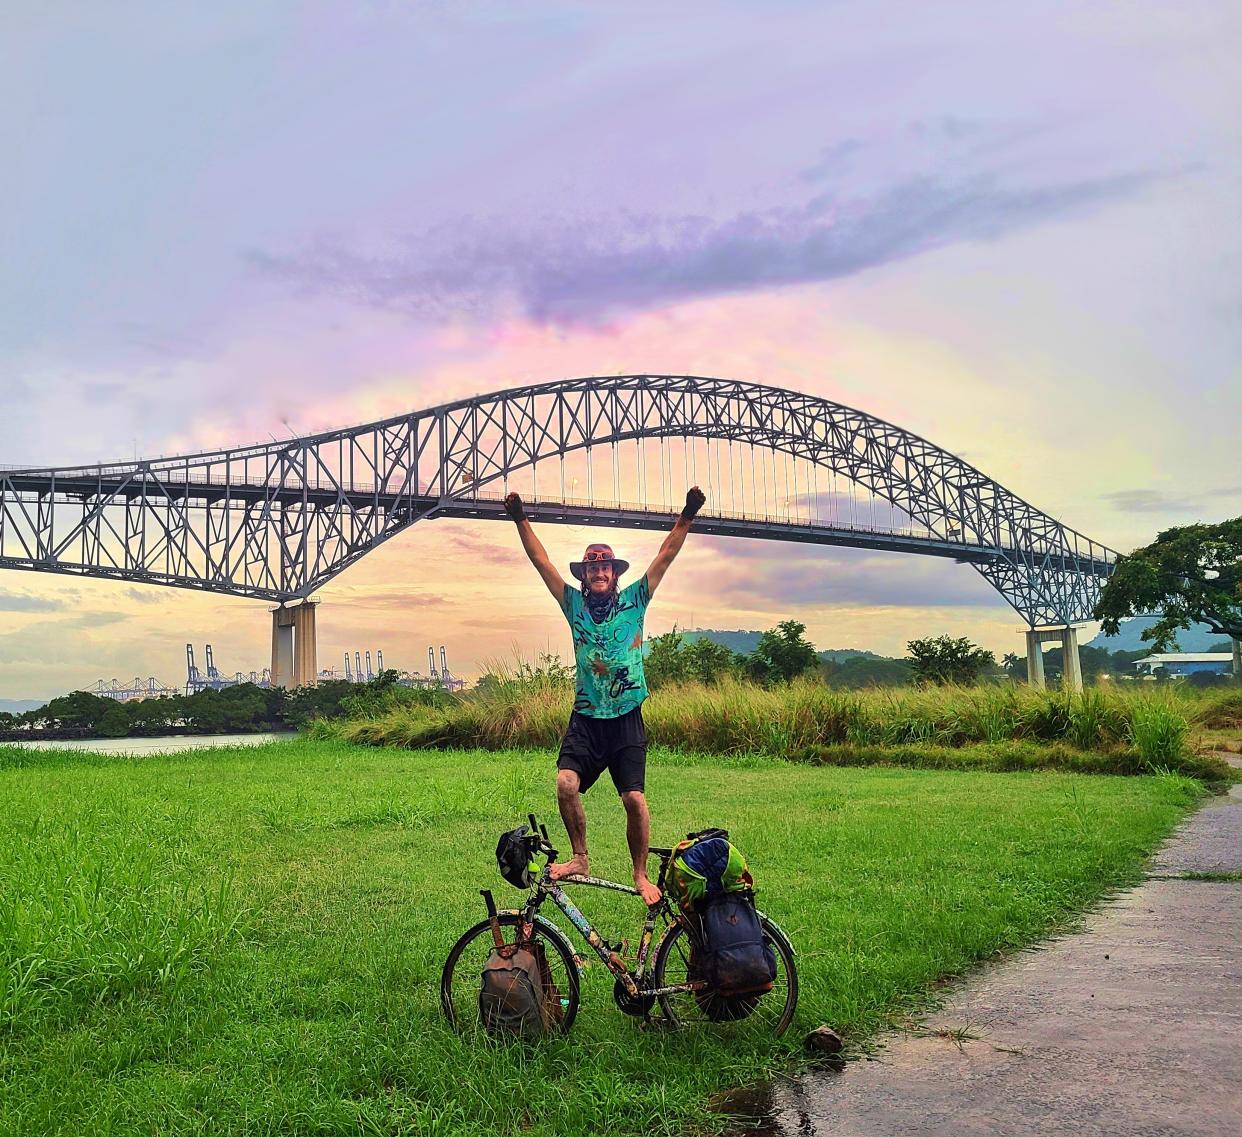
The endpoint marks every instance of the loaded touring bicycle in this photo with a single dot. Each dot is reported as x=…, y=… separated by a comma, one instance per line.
x=516, y=973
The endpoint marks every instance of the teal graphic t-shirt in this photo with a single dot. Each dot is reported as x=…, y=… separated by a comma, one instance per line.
x=608, y=655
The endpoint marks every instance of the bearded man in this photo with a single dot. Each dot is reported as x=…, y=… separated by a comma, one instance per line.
x=605, y=729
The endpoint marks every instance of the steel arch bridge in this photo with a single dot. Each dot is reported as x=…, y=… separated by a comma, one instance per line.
x=275, y=521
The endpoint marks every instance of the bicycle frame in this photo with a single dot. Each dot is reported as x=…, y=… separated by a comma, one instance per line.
x=545, y=887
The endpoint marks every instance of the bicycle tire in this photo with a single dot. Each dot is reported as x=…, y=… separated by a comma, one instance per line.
x=459, y=990
x=682, y=1007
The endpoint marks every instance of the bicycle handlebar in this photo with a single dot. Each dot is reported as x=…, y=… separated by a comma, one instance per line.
x=541, y=831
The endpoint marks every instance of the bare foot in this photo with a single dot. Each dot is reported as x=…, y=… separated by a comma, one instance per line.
x=647, y=890
x=575, y=866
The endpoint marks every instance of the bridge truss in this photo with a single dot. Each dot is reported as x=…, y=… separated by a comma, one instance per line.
x=277, y=520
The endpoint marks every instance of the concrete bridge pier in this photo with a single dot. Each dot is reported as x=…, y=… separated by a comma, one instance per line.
x=294, y=655
x=1067, y=637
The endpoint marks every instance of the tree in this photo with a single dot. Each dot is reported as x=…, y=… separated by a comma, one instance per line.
x=666, y=660
x=944, y=660
x=710, y=662
x=114, y=722
x=1191, y=574
x=80, y=709
x=153, y=716
x=783, y=653
x=1014, y=666
x=670, y=659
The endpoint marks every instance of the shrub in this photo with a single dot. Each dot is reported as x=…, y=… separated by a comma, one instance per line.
x=1158, y=732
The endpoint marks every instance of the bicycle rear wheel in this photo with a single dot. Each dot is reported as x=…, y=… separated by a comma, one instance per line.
x=463, y=971
x=770, y=1013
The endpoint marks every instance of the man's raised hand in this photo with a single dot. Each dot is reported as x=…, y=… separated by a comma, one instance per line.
x=513, y=506
x=694, y=502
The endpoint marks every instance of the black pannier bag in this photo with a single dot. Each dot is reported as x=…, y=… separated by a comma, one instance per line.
x=732, y=957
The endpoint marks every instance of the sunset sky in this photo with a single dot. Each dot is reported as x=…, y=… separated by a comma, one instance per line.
x=1012, y=230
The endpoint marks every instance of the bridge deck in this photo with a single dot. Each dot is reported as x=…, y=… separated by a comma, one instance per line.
x=485, y=506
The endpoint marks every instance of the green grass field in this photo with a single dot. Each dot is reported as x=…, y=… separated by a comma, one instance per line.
x=249, y=941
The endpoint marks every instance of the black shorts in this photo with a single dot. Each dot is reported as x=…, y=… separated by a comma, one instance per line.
x=618, y=745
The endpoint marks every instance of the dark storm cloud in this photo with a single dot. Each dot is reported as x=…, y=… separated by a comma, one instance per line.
x=589, y=270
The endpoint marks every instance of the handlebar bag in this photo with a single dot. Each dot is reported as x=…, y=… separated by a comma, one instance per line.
x=515, y=857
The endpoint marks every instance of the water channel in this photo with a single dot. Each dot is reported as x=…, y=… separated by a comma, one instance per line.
x=168, y=744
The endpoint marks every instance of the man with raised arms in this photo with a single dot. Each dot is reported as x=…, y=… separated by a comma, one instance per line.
x=606, y=729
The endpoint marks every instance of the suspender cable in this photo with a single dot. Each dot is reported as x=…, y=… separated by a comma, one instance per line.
x=732, y=495
x=711, y=476
x=796, y=501
x=814, y=490
x=642, y=484
x=762, y=478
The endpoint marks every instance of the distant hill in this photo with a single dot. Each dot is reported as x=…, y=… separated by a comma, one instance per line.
x=1129, y=637
x=19, y=706
x=741, y=642
x=744, y=643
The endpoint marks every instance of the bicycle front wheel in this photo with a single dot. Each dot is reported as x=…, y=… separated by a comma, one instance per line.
x=463, y=971
x=770, y=1013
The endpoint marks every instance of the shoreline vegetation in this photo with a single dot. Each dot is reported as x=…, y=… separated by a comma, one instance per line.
x=986, y=727
x=249, y=941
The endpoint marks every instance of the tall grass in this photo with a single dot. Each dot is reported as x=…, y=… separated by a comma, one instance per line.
x=736, y=717
x=1158, y=731
x=89, y=914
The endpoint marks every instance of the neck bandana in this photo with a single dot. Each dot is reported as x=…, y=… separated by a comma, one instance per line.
x=601, y=607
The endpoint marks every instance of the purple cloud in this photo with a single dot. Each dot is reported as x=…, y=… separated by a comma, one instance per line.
x=748, y=575
x=560, y=273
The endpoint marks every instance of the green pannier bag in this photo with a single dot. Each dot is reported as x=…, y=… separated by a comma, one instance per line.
x=704, y=865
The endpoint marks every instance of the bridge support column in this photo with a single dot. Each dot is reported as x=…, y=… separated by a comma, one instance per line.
x=1034, y=660
x=1071, y=666
x=294, y=655
x=305, y=659
x=282, y=647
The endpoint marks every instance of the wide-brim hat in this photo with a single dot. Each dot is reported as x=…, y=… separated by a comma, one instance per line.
x=597, y=555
